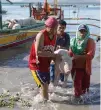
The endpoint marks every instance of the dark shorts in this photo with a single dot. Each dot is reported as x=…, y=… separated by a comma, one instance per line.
x=40, y=77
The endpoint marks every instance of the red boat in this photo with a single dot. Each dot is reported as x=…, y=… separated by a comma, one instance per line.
x=42, y=12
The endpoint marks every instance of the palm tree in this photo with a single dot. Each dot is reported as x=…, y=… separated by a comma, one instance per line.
x=1, y=12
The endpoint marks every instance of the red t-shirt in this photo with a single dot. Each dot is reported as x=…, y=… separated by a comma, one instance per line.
x=44, y=64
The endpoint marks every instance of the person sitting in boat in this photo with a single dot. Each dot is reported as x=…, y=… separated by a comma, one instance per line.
x=13, y=24
x=10, y=24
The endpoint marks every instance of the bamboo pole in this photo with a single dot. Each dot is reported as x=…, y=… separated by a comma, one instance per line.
x=0, y=15
x=1, y=12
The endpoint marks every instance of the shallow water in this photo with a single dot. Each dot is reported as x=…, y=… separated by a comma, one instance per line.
x=15, y=76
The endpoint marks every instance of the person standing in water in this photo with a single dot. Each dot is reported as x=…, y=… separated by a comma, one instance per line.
x=42, y=52
x=82, y=49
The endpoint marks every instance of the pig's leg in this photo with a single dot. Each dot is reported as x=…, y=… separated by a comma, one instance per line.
x=66, y=78
x=57, y=73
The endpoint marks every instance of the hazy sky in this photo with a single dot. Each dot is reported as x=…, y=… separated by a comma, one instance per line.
x=60, y=1
x=14, y=0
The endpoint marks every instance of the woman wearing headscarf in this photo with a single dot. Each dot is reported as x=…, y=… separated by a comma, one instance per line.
x=82, y=49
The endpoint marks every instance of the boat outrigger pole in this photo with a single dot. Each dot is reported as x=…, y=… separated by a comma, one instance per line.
x=0, y=15
x=9, y=1
x=1, y=12
x=55, y=6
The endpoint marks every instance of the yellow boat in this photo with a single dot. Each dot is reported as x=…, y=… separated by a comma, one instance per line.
x=11, y=38
x=24, y=30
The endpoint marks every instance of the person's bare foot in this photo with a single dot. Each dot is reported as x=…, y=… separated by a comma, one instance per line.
x=76, y=100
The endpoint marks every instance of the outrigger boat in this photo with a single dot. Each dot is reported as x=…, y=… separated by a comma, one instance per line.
x=16, y=37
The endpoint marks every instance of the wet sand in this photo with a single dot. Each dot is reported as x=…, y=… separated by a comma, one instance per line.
x=15, y=76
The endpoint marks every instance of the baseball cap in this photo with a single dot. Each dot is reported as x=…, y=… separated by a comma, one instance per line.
x=82, y=27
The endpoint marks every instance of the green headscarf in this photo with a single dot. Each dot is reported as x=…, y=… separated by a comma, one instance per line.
x=78, y=44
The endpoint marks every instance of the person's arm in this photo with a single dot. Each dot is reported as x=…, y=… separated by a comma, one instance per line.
x=39, y=44
x=70, y=53
x=91, y=49
x=79, y=56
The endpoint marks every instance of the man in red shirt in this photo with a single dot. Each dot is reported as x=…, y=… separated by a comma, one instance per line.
x=42, y=52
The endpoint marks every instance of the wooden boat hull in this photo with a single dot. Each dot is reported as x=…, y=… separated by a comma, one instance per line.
x=17, y=39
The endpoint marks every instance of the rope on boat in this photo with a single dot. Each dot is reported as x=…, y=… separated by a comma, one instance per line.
x=87, y=24
x=81, y=19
